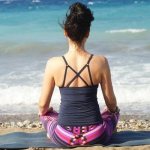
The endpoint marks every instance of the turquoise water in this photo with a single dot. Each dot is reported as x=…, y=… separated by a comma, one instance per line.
x=37, y=23
x=30, y=33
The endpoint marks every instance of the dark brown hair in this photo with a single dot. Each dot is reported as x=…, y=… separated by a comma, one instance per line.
x=78, y=21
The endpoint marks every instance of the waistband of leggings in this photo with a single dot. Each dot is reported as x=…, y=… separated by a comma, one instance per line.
x=78, y=139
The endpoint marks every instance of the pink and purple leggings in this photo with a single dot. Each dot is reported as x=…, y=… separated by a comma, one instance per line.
x=79, y=135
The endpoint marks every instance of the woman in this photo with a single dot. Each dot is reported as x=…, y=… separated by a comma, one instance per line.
x=78, y=74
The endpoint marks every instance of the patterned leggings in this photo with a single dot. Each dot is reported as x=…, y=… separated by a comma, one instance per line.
x=79, y=135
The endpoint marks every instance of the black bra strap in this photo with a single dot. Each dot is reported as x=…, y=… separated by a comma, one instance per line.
x=77, y=73
x=89, y=68
x=89, y=59
x=65, y=71
x=65, y=60
x=90, y=74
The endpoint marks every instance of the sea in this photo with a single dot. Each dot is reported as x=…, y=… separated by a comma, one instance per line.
x=30, y=34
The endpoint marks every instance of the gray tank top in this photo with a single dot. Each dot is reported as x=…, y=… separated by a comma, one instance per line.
x=79, y=105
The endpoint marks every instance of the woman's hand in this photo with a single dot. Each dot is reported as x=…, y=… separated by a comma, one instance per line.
x=116, y=110
x=49, y=110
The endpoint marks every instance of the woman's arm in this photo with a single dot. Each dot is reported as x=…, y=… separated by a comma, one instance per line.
x=47, y=89
x=107, y=88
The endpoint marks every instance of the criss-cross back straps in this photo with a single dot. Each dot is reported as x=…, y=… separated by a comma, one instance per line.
x=77, y=73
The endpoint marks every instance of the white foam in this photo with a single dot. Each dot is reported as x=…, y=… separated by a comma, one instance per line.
x=130, y=93
x=135, y=2
x=28, y=95
x=35, y=1
x=8, y=1
x=90, y=3
x=131, y=74
x=131, y=99
x=126, y=31
x=17, y=97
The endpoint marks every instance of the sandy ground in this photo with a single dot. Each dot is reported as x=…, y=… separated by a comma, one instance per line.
x=8, y=130
x=146, y=147
x=35, y=118
x=100, y=148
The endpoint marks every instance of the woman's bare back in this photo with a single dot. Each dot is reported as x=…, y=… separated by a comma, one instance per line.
x=77, y=62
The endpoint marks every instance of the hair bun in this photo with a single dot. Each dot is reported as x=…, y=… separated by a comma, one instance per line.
x=79, y=13
x=78, y=21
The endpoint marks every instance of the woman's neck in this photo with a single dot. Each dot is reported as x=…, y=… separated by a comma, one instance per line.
x=76, y=48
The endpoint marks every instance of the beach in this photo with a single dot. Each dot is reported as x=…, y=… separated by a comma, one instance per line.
x=99, y=148
x=31, y=34
x=117, y=33
x=31, y=124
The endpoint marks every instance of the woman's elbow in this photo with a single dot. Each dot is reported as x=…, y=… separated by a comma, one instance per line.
x=111, y=103
x=42, y=107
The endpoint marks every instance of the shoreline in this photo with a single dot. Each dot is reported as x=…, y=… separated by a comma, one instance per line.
x=31, y=123
x=34, y=117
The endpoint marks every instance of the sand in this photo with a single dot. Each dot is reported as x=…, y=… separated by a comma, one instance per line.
x=30, y=123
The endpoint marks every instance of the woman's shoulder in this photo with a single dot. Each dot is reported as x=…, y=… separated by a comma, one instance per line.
x=52, y=62
x=54, y=59
x=101, y=59
x=57, y=61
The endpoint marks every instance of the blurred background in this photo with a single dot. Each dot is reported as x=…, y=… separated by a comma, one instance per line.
x=30, y=34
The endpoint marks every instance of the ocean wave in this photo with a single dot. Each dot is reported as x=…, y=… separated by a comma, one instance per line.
x=7, y=1
x=29, y=47
x=127, y=31
x=22, y=94
x=58, y=2
x=36, y=1
x=27, y=95
x=19, y=95
x=90, y=3
x=24, y=99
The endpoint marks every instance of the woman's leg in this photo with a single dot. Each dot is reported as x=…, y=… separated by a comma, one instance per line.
x=49, y=121
x=110, y=121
